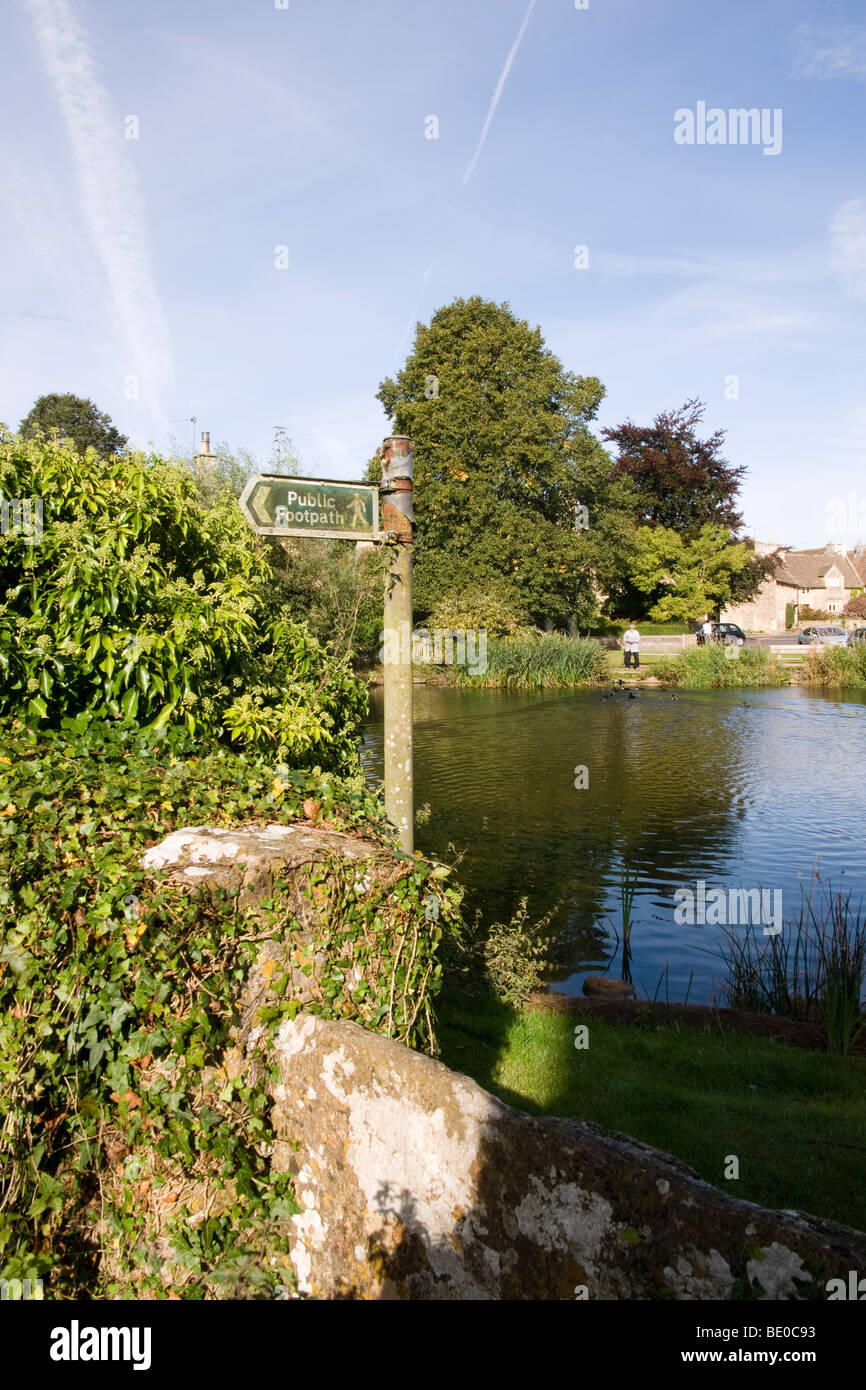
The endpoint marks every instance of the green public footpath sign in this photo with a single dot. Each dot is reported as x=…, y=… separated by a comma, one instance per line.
x=278, y=506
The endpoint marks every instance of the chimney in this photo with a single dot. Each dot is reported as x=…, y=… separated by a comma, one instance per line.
x=204, y=459
x=830, y=548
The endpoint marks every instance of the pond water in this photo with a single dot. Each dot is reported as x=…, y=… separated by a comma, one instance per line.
x=738, y=790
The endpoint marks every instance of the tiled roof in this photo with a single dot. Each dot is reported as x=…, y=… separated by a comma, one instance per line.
x=805, y=569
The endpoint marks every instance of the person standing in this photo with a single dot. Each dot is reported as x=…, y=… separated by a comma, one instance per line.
x=707, y=630
x=631, y=644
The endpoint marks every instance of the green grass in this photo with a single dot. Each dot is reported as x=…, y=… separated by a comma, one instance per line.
x=615, y=661
x=795, y=1119
x=707, y=668
x=547, y=662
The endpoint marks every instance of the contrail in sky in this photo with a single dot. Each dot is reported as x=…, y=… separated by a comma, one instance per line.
x=503, y=77
x=111, y=200
x=470, y=168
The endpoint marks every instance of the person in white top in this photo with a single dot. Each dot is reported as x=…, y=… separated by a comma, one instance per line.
x=707, y=630
x=631, y=644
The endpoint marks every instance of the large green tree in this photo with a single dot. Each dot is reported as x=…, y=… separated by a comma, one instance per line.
x=76, y=419
x=684, y=579
x=503, y=459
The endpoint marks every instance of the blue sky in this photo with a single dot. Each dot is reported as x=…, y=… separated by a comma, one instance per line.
x=148, y=265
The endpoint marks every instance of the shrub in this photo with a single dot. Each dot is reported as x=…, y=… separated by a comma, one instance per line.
x=141, y=603
x=856, y=607
x=615, y=627
x=509, y=959
x=790, y=613
x=336, y=589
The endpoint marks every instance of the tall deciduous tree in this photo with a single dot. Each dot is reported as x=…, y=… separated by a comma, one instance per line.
x=686, y=579
x=76, y=419
x=503, y=459
x=681, y=480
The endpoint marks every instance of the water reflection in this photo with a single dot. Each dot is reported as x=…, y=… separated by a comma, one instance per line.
x=736, y=789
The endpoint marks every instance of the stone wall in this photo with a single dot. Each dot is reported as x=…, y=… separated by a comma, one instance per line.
x=416, y=1183
x=666, y=642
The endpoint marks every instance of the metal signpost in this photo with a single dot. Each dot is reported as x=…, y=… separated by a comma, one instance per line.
x=321, y=509
x=398, y=519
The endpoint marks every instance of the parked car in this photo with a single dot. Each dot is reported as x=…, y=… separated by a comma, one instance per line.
x=823, y=636
x=858, y=635
x=728, y=633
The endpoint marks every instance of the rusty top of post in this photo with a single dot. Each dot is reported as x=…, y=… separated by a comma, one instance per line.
x=397, y=458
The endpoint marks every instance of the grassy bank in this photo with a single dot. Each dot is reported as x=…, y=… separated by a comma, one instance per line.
x=551, y=661
x=707, y=668
x=648, y=663
x=794, y=1119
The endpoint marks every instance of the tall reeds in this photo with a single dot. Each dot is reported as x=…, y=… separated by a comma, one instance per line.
x=707, y=668
x=842, y=666
x=547, y=662
x=628, y=879
x=814, y=970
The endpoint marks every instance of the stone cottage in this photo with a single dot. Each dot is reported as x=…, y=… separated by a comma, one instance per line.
x=823, y=579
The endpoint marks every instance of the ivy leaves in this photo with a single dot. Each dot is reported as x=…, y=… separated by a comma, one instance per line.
x=118, y=995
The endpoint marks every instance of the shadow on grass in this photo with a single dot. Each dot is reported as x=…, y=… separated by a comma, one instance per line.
x=476, y=1032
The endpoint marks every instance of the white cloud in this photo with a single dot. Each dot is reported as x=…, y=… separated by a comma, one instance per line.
x=503, y=77
x=848, y=245
x=830, y=52
x=111, y=201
